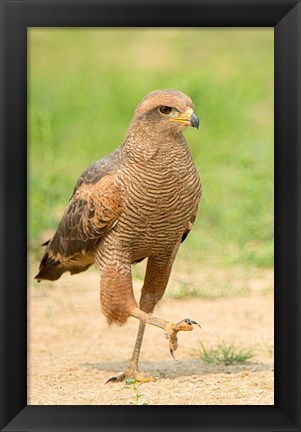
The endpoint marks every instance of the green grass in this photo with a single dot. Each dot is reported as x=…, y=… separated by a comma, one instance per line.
x=208, y=292
x=225, y=353
x=134, y=385
x=83, y=87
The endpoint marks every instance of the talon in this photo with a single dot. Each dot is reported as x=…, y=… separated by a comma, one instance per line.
x=172, y=354
x=194, y=322
x=112, y=379
x=118, y=378
x=131, y=374
x=189, y=322
x=173, y=329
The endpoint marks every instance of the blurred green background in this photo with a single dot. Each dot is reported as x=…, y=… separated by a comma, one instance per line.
x=83, y=87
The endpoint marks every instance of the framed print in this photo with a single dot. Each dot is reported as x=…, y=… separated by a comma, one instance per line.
x=73, y=73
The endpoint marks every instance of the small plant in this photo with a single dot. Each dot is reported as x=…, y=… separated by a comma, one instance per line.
x=134, y=385
x=227, y=354
x=207, y=356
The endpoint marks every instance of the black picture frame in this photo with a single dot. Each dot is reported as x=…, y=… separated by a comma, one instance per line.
x=16, y=17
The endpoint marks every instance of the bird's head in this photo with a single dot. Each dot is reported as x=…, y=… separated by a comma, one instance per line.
x=166, y=111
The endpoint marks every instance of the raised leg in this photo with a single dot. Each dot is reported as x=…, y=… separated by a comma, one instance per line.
x=170, y=328
x=156, y=278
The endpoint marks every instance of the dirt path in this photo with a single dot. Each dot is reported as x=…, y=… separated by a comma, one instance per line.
x=72, y=352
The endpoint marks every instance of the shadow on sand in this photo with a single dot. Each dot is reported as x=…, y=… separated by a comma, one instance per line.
x=179, y=368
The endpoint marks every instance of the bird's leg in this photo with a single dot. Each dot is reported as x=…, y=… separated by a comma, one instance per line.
x=170, y=328
x=155, y=282
x=132, y=371
x=138, y=343
x=157, y=274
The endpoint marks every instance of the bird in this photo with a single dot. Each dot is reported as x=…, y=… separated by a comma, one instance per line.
x=137, y=203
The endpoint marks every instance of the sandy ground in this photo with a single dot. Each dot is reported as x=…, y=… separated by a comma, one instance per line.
x=72, y=351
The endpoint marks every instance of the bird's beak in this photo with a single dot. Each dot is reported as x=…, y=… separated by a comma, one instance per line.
x=188, y=118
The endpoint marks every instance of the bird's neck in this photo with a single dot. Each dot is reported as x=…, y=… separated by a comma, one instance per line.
x=151, y=144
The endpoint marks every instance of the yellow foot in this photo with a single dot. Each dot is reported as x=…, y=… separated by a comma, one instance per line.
x=132, y=374
x=173, y=329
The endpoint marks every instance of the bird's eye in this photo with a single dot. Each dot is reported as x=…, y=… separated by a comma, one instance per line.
x=165, y=109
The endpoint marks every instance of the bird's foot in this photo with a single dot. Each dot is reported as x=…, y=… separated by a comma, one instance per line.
x=173, y=329
x=132, y=374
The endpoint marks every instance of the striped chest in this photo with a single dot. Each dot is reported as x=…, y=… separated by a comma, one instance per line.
x=159, y=200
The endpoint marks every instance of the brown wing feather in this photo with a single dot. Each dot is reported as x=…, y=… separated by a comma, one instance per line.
x=99, y=169
x=91, y=213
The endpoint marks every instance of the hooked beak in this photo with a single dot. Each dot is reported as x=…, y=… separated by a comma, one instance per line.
x=188, y=118
x=194, y=120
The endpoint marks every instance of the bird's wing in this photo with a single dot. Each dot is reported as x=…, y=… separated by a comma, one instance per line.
x=92, y=211
x=99, y=169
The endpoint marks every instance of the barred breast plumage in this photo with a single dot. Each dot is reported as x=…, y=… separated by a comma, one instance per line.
x=139, y=202
x=160, y=199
